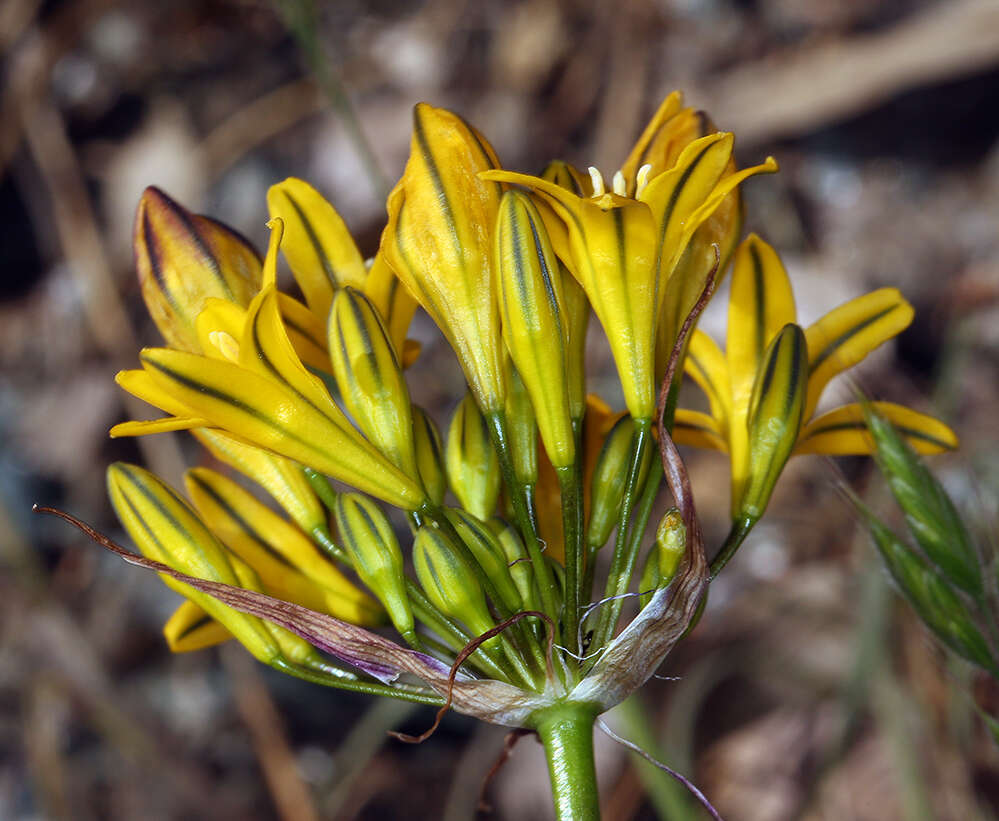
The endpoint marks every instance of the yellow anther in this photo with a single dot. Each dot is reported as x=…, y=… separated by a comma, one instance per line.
x=618, y=184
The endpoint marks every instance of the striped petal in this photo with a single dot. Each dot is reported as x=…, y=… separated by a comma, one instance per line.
x=392, y=300
x=698, y=430
x=535, y=327
x=846, y=335
x=761, y=303
x=184, y=259
x=370, y=378
x=282, y=478
x=289, y=565
x=319, y=249
x=272, y=415
x=661, y=141
x=191, y=628
x=612, y=252
x=843, y=431
x=706, y=365
x=438, y=241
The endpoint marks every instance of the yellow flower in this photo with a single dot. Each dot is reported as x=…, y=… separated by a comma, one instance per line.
x=761, y=305
x=623, y=245
x=439, y=240
x=325, y=259
x=185, y=259
x=257, y=389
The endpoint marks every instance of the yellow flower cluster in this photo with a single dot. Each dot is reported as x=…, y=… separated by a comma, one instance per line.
x=302, y=397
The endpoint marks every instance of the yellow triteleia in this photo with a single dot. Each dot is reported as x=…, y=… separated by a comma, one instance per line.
x=761, y=305
x=288, y=563
x=439, y=242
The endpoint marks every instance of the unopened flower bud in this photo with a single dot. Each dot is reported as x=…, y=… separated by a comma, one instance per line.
x=165, y=529
x=289, y=565
x=609, y=479
x=473, y=469
x=374, y=551
x=429, y=455
x=184, y=259
x=370, y=378
x=774, y=419
x=517, y=561
x=533, y=312
x=449, y=581
x=488, y=552
x=522, y=429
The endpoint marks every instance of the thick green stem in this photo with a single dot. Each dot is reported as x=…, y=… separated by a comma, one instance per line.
x=571, y=487
x=566, y=733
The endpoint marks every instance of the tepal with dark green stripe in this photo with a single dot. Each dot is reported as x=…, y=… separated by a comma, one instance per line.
x=776, y=411
x=369, y=376
x=374, y=551
x=167, y=530
x=449, y=581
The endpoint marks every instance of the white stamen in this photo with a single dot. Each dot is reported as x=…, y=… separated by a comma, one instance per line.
x=226, y=344
x=598, y=181
x=642, y=178
x=618, y=182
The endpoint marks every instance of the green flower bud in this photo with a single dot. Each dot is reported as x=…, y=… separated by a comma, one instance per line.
x=534, y=319
x=522, y=428
x=429, y=455
x=776, y=408
x=449, y=581
x=488, y=552
x=664, y=559
x=374, y=551
x=165, y=529
x=517, y=561
x=671, y=544
x=370, y=378
x=609, y=478
x=472, y=465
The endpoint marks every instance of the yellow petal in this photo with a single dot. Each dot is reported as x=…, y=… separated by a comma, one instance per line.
x=669, y=131
x=698, y=430
x=306, y=333
x=268, y=414
x=282, y=478
x=184, y=259
x=439, y=242
x=219, y=316
x=191, y=628
x=319, y=249
x=760, y=304
x=289, y=565
x=392, y=300
x=706, y=365
x=843, y=432
x=265, y=349
x=612, y=245
x=165, y=529
x=846, y=335
x=151, y=426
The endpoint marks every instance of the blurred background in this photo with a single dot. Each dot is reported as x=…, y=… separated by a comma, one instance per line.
x=808, y=691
